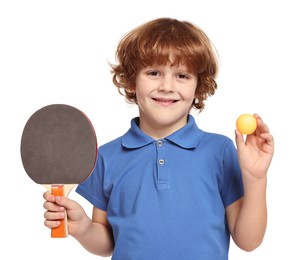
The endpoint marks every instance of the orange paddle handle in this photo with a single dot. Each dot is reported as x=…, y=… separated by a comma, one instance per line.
x=62, y=230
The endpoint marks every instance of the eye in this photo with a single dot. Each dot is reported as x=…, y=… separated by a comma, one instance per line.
x=153, y=73
x=183, y=76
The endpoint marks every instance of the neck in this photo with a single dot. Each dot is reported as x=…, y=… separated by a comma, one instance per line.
x=160, y=130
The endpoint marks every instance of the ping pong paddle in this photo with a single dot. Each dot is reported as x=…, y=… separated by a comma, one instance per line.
x=59, y=151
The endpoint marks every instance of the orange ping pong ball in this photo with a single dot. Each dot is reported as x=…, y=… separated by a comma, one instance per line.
x=246, y=124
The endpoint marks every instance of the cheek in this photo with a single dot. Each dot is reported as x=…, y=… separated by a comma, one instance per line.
x=140, y=93
x=143, y=88
x=190, y=94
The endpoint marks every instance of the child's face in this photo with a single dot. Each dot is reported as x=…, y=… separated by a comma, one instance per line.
x=165, y=95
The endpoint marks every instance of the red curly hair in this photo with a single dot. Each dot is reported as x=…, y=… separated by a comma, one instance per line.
x=152, y=43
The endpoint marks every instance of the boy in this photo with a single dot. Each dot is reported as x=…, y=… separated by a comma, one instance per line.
x=166, y=189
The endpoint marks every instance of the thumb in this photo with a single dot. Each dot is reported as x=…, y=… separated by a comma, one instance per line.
x=74, y=211
x=65, y=202
x=239, y=140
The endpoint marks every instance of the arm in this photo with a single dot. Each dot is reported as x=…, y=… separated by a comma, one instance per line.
x=247, y=217
x=94, y=235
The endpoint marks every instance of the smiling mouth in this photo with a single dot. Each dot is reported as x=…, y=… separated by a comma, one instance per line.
x=165, y=101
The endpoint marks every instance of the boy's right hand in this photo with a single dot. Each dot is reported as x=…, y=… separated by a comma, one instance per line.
x=55, y=211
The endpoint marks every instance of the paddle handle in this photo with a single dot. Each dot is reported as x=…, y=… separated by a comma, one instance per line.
x=60, y=190
x=62, y=230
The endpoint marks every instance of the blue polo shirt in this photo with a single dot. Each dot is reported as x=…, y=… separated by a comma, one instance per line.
x=166, y=199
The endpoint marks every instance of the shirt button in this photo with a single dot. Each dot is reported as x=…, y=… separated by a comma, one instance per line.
x=159, y=143
x=161, y=161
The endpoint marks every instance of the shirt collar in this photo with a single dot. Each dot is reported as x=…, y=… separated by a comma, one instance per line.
x=136, y=138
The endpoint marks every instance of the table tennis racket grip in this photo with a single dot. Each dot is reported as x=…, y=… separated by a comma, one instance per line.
x=62, y=230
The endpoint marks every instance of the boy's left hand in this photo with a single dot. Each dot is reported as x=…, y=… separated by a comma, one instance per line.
x=256, y=152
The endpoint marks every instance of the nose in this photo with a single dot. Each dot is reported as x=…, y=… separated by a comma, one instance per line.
x=166, y=84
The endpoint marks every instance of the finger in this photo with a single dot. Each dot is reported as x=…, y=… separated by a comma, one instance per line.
x=66, y=202
x=52, y=224
x=50, y=206
x=239, y=140
x=261, y=126
x=52, y=199
x=48, y=196
x=268, y=141
x=53, y=216
x=268, y=137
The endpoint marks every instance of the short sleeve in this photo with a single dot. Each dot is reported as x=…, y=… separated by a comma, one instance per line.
x=92, y=188
x=232, y=186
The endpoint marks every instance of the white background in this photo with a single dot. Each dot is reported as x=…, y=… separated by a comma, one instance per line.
x=58, y=52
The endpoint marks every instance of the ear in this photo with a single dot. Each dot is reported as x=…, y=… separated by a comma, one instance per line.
x=196, y=100
x=133, y=89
